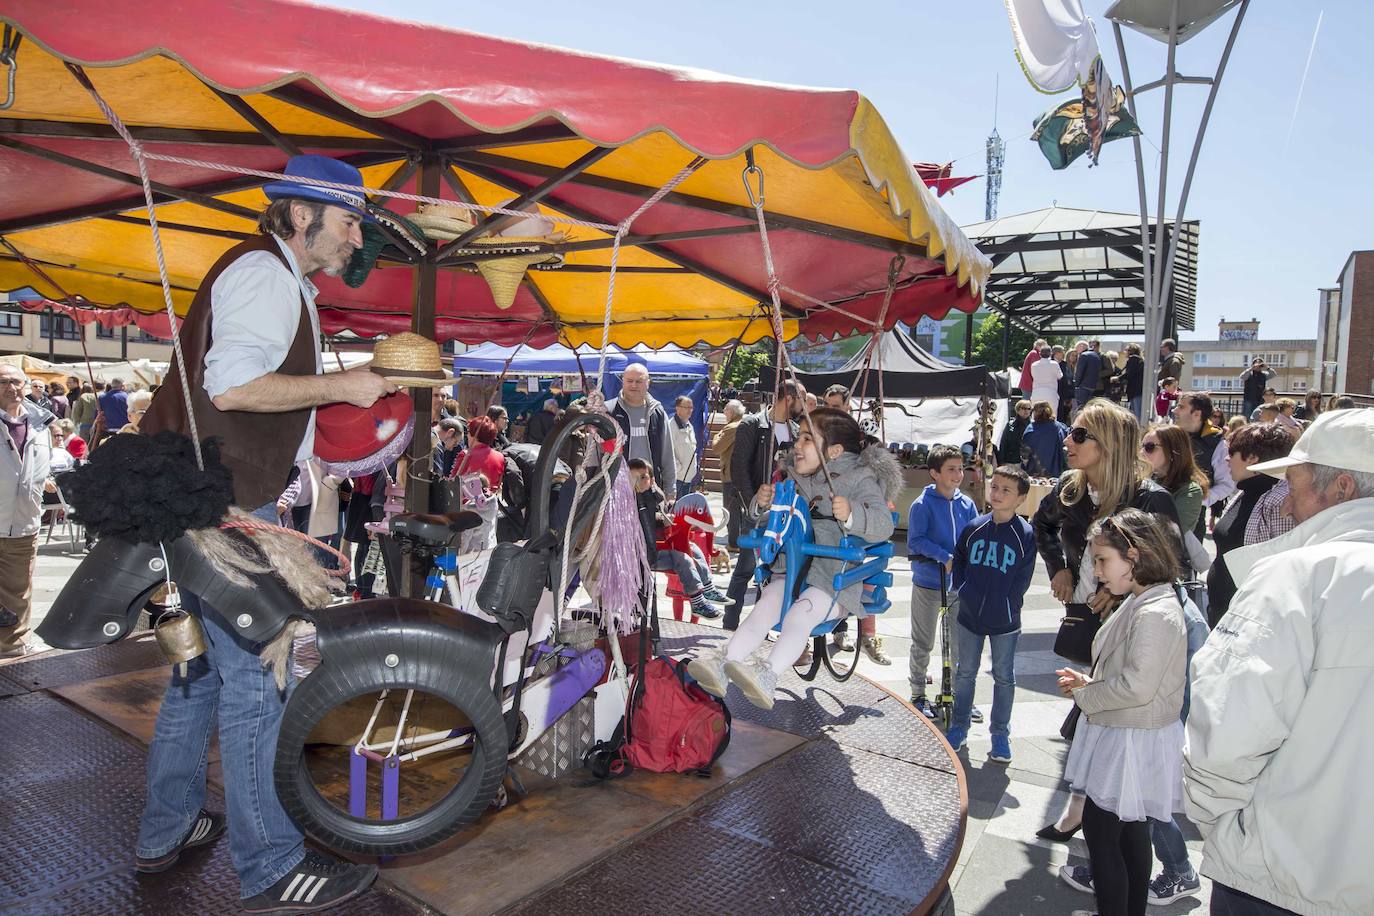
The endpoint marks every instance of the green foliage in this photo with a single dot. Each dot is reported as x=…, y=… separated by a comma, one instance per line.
x=987, y=344
x=745, y=365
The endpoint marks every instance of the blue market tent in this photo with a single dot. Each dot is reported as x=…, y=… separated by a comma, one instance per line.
x=673, y=372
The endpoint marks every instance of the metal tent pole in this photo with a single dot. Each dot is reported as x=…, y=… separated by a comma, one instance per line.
x=1197, y=149
x=1147, y=404
x=1154, y=319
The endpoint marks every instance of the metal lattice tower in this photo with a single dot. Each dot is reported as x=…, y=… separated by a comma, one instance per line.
x=996, y=153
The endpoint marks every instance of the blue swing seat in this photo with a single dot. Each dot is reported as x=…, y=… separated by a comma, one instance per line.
x=789, y=531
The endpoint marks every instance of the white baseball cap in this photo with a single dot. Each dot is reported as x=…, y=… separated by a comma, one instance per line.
x=1338, y=438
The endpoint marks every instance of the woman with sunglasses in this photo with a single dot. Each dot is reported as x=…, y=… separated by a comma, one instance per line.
x=1168, y=450
x=1105, y=476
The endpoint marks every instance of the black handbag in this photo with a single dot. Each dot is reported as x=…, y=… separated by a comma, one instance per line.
x=1070, y=726
x=1076, y=633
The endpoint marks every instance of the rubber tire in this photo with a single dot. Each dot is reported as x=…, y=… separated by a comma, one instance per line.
x=329, y=687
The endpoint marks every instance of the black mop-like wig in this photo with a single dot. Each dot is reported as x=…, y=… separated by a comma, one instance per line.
x=148, y=488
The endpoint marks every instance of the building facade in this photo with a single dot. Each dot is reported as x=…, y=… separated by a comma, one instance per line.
x=1345, y=332
x=60, y=338
x=1216, y=365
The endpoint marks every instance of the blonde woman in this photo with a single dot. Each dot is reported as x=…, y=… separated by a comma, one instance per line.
x=1105, y=476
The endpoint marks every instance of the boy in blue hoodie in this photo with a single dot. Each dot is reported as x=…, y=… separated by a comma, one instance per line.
x=933, y=525
x=993, y=564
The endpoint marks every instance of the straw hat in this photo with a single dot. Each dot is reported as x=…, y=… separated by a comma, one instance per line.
x=411, y=361
x=442, y=223
x=503, y=275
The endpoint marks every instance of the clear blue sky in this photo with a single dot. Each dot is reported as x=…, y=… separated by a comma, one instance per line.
x=1277, y=223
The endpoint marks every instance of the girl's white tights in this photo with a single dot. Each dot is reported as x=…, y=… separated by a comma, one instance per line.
x=811, y=607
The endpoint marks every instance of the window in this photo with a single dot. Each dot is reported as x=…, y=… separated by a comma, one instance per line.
x=11, y=324
x=66, y=329
x=145, y=337
x=1199, y=359
x=1274, y=360
x=1299, y=385
x=104, y=333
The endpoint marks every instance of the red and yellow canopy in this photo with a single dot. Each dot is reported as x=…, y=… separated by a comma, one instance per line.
x=463, y=117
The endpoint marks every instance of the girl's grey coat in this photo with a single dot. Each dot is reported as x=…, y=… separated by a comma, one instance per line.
x=869, y=480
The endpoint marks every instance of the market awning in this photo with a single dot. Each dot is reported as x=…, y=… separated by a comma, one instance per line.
x=1063, y=271
x=471, y=118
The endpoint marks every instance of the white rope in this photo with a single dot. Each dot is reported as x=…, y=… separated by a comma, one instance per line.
x=776, y=313
x=621, y=231
x=136, y=149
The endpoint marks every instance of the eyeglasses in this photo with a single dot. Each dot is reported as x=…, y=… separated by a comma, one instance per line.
x=1149, y=447
x=1080, y=435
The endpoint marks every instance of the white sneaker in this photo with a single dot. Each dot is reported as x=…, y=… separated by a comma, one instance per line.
x=709, y=671
x=756, y=678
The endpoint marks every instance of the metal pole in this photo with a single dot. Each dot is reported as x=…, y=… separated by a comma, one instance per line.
x=1197, y=149
x=1147, y=404
x=1006, y=339
x=52, y=332
x=422, y=323
x=968, y=338
x=1155, y=321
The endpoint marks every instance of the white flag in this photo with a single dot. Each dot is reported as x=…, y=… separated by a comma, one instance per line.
x=1055, y=42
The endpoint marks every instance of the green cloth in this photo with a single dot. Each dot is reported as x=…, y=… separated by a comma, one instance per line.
x=1188, y=503
x=1062, y=132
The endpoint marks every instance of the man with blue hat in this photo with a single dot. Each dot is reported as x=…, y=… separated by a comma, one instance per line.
x=251, y=344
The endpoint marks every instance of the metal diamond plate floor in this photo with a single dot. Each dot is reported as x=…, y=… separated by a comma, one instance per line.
x=865, y=815
x=73, y=794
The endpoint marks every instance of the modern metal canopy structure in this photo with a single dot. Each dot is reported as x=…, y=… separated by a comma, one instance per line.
x=1068, y=271
x=1172, y=22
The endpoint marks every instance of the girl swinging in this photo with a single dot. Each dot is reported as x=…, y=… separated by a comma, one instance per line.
x=863, y=479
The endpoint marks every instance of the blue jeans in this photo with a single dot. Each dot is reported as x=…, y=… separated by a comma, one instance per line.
x=228, y=679
x=1170, y=849
x=1133, y=405
x=968, y=657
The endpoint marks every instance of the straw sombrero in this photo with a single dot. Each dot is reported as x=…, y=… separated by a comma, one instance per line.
x=442, y=223
x=411, y=361
x=503, y=275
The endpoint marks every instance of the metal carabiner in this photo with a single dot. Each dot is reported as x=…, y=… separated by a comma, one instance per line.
x=9, y=52
x=894, y=270
x=751, y=169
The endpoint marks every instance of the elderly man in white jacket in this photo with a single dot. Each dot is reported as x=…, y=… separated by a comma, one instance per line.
x=1281, y=731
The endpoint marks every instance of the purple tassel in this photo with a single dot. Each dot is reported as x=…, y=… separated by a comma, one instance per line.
x=624, y=566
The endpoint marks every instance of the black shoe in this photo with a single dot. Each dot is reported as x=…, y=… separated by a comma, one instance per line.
x=207, y=828
x=1051, y=832
x=317, y=883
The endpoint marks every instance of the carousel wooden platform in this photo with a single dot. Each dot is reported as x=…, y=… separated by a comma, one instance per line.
x=842, y=799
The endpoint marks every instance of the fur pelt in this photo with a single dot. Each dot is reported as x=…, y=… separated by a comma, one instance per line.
x=148, y=488
x=889, y=473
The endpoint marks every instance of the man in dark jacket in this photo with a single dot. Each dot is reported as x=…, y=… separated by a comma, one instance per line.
x=1170, y=360
x=542, y=422
x=1009, y=448
x=1132, y=377
x=645, y=422
x=757, y=441
x=1087, y=375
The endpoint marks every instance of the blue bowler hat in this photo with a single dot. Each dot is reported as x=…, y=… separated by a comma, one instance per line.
x=320, y=168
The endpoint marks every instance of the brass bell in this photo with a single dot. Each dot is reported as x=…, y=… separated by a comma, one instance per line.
x=179, y=636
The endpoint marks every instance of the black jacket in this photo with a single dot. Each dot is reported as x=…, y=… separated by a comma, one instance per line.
x=1061, y=532
x=539, y=425
x=751, y=465
x=1009, y=449
x=1229, y=533
x=1133, y=376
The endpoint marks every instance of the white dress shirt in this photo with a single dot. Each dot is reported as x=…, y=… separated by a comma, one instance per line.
x=255, y=307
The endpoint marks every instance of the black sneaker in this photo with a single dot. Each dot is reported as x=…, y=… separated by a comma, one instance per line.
x=317, y=883
x=207, y=828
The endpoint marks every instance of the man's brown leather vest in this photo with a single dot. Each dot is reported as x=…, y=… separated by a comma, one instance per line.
x=258, y=448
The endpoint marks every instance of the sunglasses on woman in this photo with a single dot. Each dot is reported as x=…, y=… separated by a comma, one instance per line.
x=1080, y=435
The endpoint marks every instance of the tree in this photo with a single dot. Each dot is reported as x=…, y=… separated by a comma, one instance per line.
x=987, y=344
x=744, y=365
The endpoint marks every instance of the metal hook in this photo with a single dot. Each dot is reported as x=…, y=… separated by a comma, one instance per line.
x=894, y=269
x=751, y=170
x=9, y=51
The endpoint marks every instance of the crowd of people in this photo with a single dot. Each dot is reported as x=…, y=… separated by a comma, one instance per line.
x=1218, y=680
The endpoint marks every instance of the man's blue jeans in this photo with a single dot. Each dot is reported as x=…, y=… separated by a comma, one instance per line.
x=969, y=656
x=227, y=680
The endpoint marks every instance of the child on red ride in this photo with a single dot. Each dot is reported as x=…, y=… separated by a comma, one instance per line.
x=691, y=570
x=855, y=502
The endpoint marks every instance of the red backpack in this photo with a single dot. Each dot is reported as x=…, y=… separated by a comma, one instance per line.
x=673, y=726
